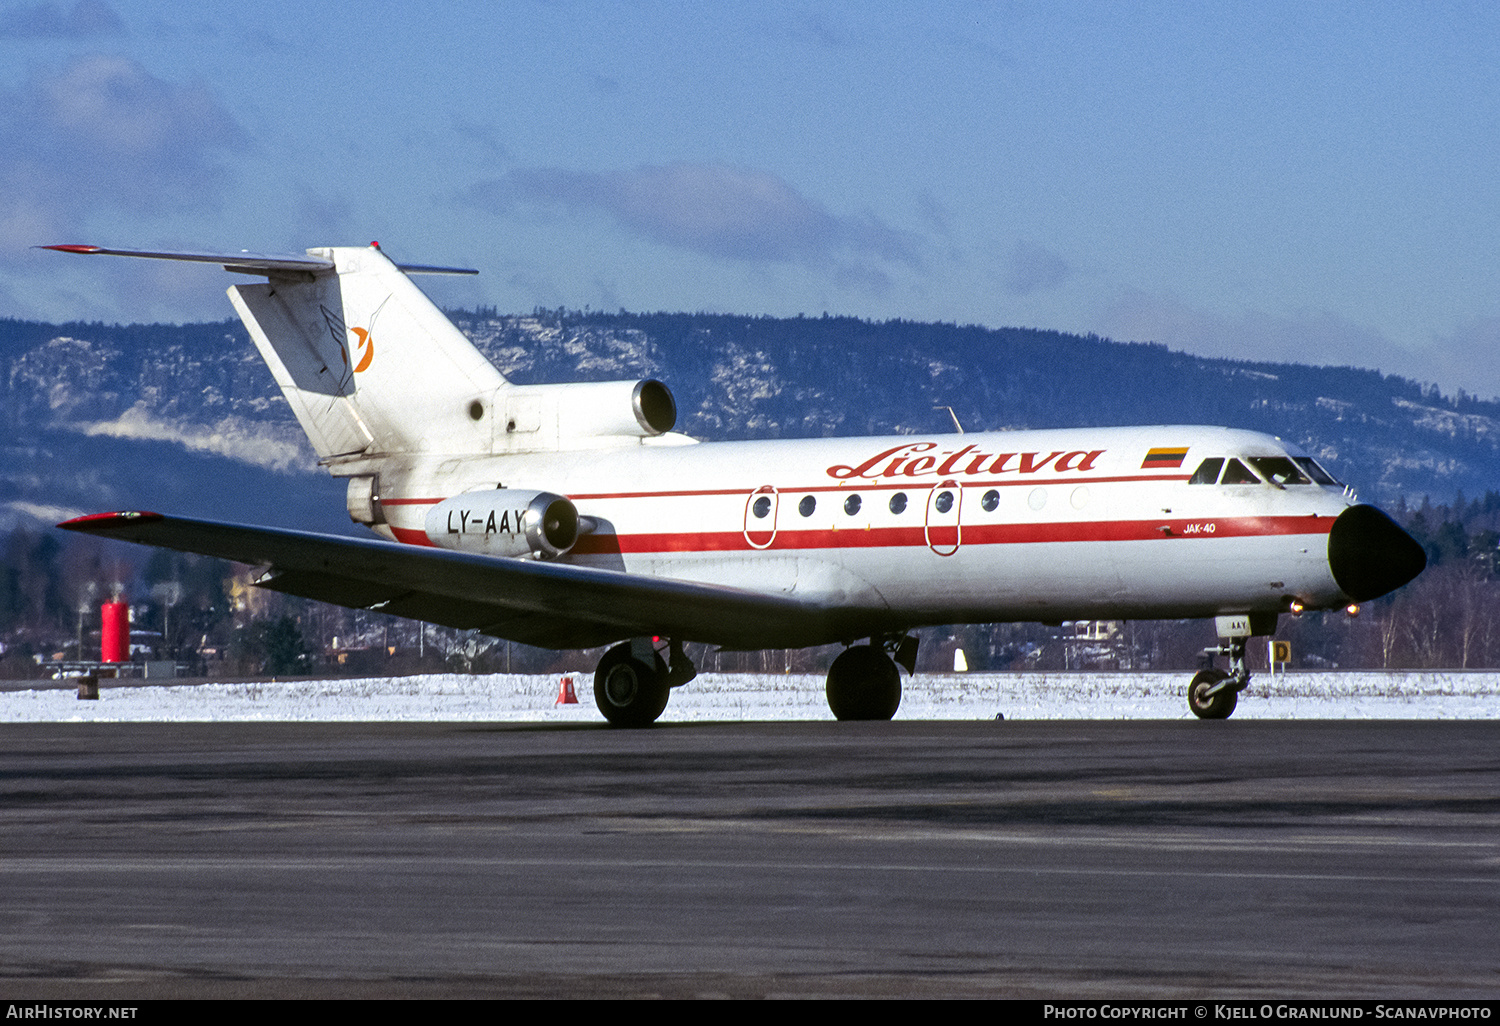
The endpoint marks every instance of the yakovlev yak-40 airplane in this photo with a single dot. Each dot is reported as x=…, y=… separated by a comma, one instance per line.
x=573, y=516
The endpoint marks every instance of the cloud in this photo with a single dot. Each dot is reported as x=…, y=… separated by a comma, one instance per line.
x=89, y=19
x=715, y=209
x=1035, y=268
x=104, y=134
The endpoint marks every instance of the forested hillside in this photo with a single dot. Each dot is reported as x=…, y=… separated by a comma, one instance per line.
x=186, y=419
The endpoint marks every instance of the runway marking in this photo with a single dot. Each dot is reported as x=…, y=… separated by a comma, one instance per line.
x=208, y=864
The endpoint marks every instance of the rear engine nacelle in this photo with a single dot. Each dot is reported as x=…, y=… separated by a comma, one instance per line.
x=542, y=415
x=505, y=522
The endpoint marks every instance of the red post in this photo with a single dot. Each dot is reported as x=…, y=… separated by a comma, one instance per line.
x=115, y=637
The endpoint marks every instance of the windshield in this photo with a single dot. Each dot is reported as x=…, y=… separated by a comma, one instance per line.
x=1207, y=472
x=1315, y=471
x=1237, y=474
x=1279, y=470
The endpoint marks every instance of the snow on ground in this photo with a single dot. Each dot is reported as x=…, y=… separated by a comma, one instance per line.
x=735, y=697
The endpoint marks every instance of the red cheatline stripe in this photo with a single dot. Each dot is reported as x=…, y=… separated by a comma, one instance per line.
x=911, y=485
x=915, y=536
x=976, y=534
x=411, y=537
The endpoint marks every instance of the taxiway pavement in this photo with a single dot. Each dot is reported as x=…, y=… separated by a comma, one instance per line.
x=1031, y=859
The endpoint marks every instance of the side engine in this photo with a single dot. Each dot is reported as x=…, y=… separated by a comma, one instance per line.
x=505, y=522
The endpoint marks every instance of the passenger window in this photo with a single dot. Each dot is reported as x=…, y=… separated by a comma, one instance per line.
x=944, y=502
x=1237, y=474
x=1279, y=470
x=851, y=505
x=1207, y=472
x=898, y=502
x=990, y=501
x=807, y=505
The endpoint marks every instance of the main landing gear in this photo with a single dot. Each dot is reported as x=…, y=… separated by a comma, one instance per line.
x=633, y=681
x=863, y=682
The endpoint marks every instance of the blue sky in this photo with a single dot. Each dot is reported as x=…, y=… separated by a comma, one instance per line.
x=1302, y=181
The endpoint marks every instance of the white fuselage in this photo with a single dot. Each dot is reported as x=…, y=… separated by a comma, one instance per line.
x=1085, y=523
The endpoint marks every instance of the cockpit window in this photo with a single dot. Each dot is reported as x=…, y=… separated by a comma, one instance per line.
x=1279, y=470
x=1315, y=471
x=1207, y=472
x=1237, y=474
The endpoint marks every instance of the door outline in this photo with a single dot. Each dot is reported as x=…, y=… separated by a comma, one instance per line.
x=761, y=538
x=944, y=531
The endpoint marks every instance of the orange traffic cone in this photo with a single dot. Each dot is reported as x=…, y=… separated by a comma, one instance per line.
x=565, y=693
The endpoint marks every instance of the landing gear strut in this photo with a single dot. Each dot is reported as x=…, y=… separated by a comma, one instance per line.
x=1213, y=694
x=633, y=681
x=863, y=682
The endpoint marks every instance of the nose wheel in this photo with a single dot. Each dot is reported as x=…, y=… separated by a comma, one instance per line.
x=1213, y=694
x=1208, y=696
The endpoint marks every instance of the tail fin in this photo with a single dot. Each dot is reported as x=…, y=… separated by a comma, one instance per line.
x=371, y=368
x=367, y=363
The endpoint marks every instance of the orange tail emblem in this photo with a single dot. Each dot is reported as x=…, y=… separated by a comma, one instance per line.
x=368, y=345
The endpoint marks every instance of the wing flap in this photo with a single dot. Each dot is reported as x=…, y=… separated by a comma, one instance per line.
x=528, y=628
x=549, y=604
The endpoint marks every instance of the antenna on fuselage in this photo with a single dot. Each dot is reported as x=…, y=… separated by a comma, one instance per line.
x=953, y=415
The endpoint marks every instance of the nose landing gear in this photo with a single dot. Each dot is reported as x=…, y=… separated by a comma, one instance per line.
x=1213, y=694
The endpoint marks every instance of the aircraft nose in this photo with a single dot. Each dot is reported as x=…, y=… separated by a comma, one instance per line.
x=1370, y=555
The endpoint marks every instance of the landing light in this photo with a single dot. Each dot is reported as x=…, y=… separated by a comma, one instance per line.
x=1352, y=609
x=1296, y=606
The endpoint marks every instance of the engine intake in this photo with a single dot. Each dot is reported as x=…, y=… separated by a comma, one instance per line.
x=505, y=522
x=655, y=409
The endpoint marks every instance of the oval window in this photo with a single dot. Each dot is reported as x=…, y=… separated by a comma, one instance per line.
x=807, y=505
x=990, y=501
x=944, y=502
x=761, y=508
x=898, y=502
x=851, y=505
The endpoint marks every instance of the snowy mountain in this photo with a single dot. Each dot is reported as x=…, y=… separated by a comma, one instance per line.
x=186, y=419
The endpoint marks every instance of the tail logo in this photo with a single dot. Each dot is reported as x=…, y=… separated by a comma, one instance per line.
x=366, y=345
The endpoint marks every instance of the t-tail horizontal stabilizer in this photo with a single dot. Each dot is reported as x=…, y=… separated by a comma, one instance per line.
x=245, y=262
x=369, y=365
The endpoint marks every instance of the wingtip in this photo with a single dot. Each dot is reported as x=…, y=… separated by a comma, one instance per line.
x=105, y=521
x=73, y=248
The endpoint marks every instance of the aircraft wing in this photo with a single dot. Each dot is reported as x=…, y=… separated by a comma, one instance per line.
x=550, y=605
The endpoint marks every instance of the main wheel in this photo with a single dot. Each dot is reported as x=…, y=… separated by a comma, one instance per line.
x=1217, y=706
x=863, y=684
x=628, y=692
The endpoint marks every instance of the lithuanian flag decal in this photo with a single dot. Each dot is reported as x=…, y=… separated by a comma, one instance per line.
x=1159, y=459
